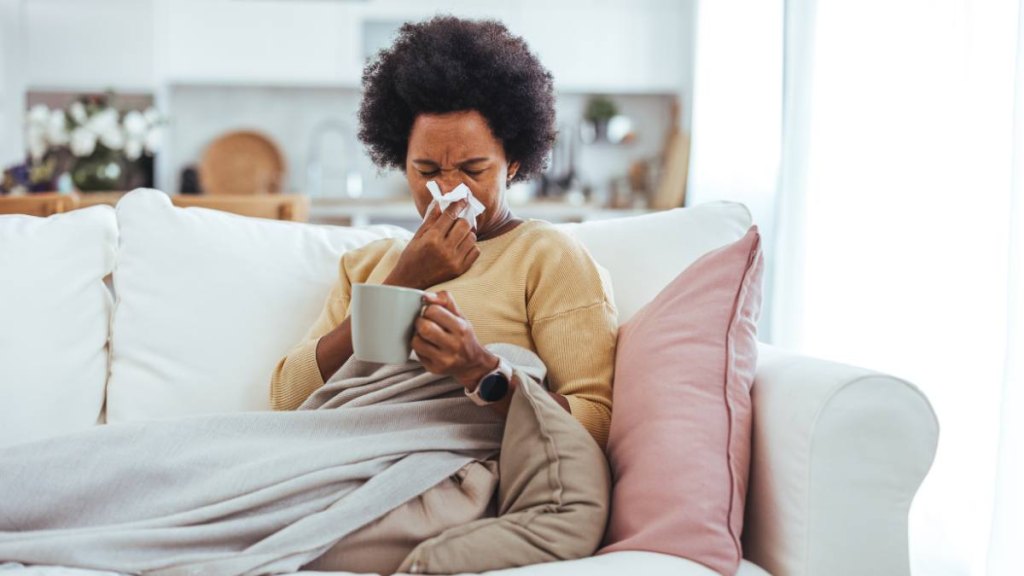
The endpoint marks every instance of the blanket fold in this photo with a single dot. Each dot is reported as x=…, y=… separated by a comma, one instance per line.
x=244, y=493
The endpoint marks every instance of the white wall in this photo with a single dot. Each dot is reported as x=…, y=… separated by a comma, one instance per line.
x=89, y=45
x=289, y=114
x=12, y=85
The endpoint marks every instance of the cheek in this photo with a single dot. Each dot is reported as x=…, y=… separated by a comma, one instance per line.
x=488, y=190
x=418, y=188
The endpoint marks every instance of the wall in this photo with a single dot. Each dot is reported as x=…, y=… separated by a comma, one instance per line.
x=12, y=84
x=289, y=114
x=89, y=45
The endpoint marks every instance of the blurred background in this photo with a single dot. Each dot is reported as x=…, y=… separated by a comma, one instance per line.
x=280, y=81
x=878, y=144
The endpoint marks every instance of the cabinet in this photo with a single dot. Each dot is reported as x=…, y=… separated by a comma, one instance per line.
x=589, y=45
x=287, y=43
x=89, y=45
x=610, y=45
x=615, y=46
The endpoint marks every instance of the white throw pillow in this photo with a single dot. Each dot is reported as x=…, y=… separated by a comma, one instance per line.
x=644, y=253
x=54, y=321
x=207, y=302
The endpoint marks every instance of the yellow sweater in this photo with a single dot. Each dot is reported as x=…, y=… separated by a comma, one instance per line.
x=534, y=286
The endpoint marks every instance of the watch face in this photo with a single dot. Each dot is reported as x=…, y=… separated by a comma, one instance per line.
x=494, y=387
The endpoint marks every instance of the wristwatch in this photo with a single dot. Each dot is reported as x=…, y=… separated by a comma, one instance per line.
x=494, y=385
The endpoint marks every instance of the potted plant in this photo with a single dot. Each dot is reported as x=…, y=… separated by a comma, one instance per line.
x=599, y=110
x=92, y=141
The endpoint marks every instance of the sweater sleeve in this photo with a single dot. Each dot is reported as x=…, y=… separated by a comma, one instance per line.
x=297, y=375
x=574, y=325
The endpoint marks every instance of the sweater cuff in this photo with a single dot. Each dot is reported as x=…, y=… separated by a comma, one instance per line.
x=300, y=378
x=593, y=416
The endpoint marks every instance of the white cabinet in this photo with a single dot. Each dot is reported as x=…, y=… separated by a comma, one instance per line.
x=230, y=41
x=92, y=44
x=589, y=45
x=610, y=45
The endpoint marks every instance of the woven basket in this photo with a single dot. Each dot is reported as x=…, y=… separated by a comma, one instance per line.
x=240, y=163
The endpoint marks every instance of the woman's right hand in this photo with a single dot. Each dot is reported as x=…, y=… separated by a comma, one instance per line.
x=443, y=248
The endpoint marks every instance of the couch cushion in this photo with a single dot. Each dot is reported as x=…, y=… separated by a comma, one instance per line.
x=644, y=253
x=208, y=302
x=679, y=443
x=54, y=320
x=212, y=300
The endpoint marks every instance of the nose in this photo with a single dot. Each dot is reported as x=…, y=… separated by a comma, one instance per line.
x=448, y=181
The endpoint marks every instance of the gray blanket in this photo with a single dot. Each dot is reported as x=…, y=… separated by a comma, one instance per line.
x=244, y=493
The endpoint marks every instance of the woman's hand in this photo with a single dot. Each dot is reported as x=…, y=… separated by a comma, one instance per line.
x=446, y=344
x=444, y=247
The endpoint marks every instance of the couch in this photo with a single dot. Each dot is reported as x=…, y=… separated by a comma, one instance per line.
x=151, y=311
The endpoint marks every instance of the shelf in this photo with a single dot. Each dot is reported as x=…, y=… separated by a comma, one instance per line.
x=362, y=212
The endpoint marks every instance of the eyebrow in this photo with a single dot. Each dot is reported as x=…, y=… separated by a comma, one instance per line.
x=432, y=163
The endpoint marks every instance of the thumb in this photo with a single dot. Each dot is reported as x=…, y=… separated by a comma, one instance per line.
x=431, y=216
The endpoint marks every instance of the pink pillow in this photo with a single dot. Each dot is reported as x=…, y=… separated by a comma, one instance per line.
x=679, y=444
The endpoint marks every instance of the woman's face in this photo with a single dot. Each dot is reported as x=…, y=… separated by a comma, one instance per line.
x=459, y=148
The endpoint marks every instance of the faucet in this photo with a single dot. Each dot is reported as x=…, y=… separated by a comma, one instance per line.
x=353, y=185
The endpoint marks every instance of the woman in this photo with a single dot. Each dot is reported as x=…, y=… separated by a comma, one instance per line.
x=461, y=102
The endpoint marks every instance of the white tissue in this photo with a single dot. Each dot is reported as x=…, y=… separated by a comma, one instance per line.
x=474, y=209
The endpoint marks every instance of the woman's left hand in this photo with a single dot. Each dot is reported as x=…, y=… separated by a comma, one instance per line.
x=445, y=342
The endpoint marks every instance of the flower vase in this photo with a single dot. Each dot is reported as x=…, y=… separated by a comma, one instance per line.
x=101, y=171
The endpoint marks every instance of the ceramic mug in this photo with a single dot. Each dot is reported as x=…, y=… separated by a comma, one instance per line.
x=383, y=321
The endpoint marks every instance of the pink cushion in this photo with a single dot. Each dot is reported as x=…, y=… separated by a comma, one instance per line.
x=679, y=444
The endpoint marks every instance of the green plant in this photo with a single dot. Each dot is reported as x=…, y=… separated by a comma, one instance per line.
x=600, y=109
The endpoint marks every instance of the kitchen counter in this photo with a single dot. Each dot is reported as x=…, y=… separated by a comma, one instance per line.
x=402, y=211
x=369, y=211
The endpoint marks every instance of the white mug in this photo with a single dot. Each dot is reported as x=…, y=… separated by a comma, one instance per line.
x=383, y=321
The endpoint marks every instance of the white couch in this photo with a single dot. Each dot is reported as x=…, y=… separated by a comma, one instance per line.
x=206, y=302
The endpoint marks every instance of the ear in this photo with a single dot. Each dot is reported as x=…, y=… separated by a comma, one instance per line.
x=513, y=167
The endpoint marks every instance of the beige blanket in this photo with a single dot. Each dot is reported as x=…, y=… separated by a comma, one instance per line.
x=263, y=493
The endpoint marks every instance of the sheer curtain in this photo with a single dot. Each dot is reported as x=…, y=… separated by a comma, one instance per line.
x=897, y=242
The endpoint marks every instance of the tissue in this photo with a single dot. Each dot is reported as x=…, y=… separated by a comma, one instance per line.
x=474, y=209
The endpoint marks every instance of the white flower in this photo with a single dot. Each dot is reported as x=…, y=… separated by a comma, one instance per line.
x=35, y=138
x=132, y=149
x=77, y=112
x=83, y=142
x=154, y=139
x=103, y=121
x=39, y=115
x=152, y=116
x=56, y=129
x=112, y=138
x=134, y=124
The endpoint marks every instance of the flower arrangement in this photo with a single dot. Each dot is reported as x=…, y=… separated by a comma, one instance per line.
x=90, y=140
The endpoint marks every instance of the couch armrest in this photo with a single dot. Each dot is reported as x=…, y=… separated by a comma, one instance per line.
x=838, y=454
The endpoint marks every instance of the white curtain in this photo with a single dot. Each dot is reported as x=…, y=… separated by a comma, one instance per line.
x=896, y=232
x=1007, y=540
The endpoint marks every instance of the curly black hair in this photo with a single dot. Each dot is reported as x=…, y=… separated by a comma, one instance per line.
x=449, y=64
